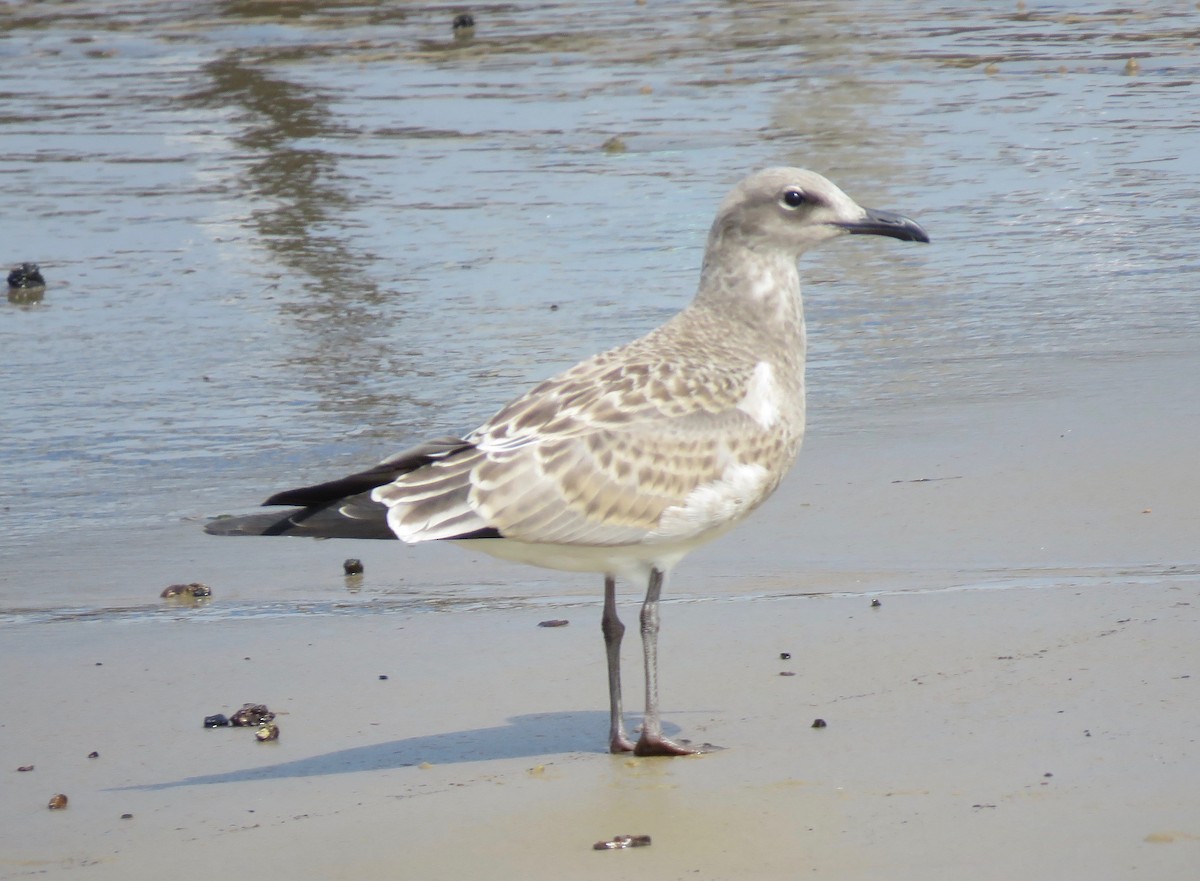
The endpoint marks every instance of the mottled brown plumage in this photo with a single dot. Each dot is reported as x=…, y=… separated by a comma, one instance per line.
x=596, y=455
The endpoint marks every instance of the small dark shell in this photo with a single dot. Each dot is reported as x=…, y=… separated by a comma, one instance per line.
x=27, y=275
x=195, y=590
x=353, y=567
x=93, y=755
x=615, y=144
x=554, y=622
x=620, y=842
x=25, y=768
x=220, y=720
x=250, y=715
x=819, y=723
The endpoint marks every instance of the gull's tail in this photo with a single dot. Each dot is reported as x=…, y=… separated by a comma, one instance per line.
x=340, y=508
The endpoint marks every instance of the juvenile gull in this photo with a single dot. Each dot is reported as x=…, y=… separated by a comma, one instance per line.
x=627, y=461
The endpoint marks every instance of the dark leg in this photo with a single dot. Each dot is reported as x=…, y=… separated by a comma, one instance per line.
x=613, y=629
x=652, y=742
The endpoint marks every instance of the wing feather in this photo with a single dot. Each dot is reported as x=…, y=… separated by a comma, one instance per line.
x=642, y=443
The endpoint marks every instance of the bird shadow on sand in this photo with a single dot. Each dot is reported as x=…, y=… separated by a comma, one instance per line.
x=530, y=736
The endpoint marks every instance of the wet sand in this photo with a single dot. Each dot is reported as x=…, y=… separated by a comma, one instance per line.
x=1019, y=733
x=1022, y=703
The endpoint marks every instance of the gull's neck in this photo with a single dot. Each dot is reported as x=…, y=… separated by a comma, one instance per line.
x=756, y=288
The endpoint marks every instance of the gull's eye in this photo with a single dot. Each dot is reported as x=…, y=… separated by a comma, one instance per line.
x=794, y=198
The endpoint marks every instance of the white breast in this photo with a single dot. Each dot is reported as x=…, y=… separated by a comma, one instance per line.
x=715, y=505
x=761, y=401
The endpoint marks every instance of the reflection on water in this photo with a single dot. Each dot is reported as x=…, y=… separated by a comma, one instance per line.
x=294, y=186
x=281, y=239
x=291, y=177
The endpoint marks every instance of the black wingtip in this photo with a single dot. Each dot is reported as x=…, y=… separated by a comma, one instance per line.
x=275, y=523
x=485, y=532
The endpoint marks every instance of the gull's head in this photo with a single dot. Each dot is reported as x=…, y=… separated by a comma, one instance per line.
x=789, y=210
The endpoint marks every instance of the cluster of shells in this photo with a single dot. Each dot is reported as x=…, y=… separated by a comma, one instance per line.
x=249, y=716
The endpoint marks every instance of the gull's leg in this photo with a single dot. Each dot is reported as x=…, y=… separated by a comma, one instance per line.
x=613, y=629
x=652, y=742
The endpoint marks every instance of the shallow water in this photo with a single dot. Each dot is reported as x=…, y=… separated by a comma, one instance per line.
x=281, y=240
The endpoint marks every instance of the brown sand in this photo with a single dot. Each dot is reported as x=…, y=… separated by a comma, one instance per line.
x=1022, y=704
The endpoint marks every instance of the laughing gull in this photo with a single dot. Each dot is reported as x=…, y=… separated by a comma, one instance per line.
x=627, y=461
